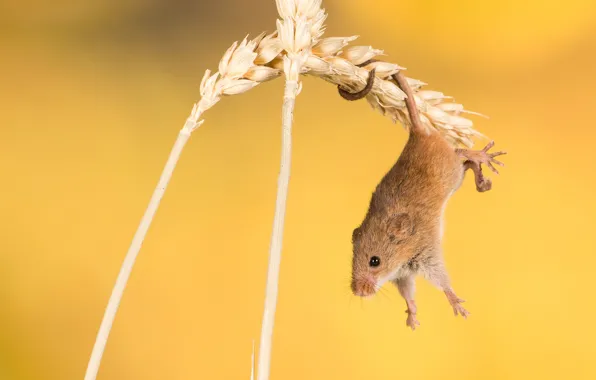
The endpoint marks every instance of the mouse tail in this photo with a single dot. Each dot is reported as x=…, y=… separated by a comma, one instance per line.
x=402, y=99
x=438, y=115
x=415, y=123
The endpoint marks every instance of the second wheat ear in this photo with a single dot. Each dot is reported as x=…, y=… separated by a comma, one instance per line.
x=296, y=48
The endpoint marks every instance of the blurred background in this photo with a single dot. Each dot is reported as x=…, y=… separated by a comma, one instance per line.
x=92, y=96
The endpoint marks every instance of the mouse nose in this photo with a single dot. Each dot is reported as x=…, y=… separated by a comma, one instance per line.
x=364, y=287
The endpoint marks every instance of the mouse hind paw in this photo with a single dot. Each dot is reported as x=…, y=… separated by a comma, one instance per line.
x=456, y=304
x=412, y=321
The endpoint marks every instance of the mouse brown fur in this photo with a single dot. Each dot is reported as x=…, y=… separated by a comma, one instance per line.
x=400, y=236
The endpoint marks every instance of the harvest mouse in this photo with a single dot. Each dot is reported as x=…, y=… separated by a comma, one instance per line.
x=401, y=234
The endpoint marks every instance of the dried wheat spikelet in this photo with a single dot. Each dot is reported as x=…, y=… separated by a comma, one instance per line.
x=301, y=27
x=241, y=68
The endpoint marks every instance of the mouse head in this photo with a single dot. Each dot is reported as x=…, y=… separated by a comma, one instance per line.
x=380, y=246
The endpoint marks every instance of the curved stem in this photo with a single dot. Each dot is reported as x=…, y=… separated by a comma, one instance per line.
x=277, y=234
x=133, y=251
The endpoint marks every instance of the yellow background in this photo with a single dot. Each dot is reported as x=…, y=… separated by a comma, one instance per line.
x=92, y=95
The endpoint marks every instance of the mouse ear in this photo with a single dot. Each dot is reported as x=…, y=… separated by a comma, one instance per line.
x=400, y=225
x=355, y=234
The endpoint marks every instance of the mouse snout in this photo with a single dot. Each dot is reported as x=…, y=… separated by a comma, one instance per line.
x=364, y=287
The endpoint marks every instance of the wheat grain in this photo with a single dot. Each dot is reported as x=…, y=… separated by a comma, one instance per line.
x=359, y=54
x=331, y=45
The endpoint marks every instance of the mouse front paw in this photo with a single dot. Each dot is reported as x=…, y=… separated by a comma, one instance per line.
x=455, y=303
x=411, y=321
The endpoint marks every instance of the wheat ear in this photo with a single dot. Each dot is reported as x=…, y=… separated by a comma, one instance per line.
x=238, y=72
x=349, y=69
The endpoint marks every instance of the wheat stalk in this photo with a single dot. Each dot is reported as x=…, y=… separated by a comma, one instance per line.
x=300, y=28
x=240, y=69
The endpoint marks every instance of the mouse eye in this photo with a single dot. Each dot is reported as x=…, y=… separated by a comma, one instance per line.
x=375, y=261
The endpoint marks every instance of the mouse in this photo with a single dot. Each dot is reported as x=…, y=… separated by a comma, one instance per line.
x=400, y=236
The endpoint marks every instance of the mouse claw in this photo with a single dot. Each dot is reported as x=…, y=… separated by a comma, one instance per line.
x=488, y=146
